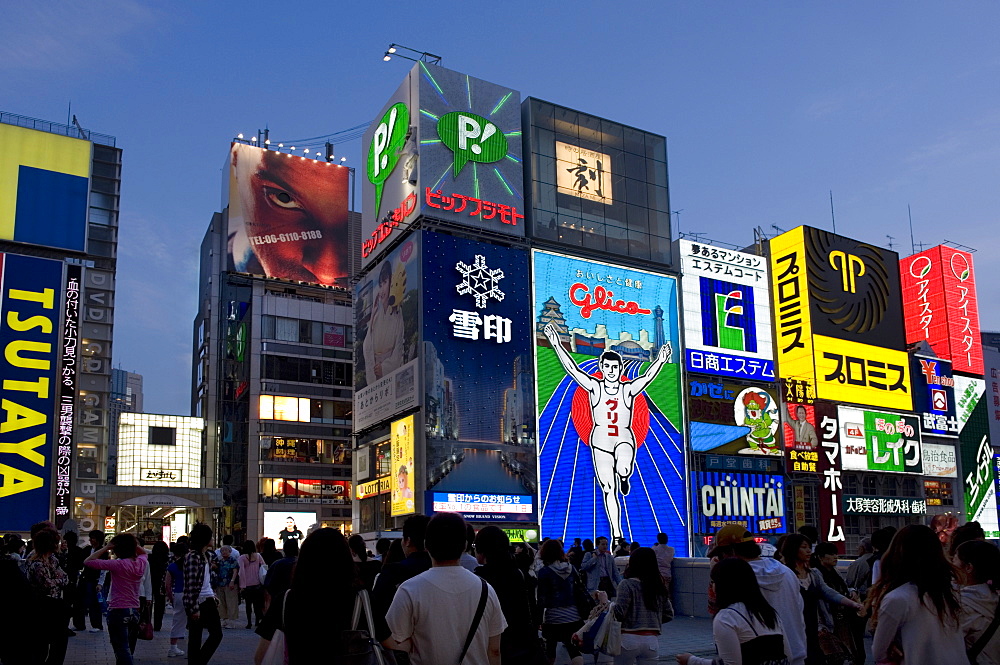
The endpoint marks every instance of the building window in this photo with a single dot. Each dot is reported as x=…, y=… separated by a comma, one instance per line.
x=162, y=436
x=305, y=490
x=318, y=451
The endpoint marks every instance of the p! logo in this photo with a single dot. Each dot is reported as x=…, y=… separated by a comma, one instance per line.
x=472, y=138
x=851, y=267
x=387, y=142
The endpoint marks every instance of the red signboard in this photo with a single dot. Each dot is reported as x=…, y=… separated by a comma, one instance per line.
x=940, y=305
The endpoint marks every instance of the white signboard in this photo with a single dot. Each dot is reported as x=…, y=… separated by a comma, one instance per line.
x=940, y=461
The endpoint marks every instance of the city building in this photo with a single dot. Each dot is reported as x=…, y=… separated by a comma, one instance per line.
x=59, y=201
x=126, y=397
x=272, y=345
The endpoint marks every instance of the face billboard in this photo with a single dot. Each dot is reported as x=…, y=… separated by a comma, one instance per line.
x=727, y=312
x=386, y=341
x=977, y=454
x=611, y=454
x=934, y=396
x=878, y=441
x=479, y=381
x=44, y=188
x=30, y=337
x=401, y=449
x=287, y=216
x=752, y=500
x=732, y=418
x=839, y=318
x=446, y=145
x=941, y=305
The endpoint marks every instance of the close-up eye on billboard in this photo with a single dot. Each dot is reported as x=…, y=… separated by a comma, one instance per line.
x=479, y=410
x=838, y=315
x=287, y=216
x=611, y=450
x=731, y=418
x=44, y=188
x=941, y=306
x=727, y=312
x=387, y=337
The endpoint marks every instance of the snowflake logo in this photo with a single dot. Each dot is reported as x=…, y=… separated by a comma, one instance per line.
x=479, y=281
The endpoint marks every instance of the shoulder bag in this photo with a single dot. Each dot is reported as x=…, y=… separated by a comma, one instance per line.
x=277, y=650
x=984, y=639
x=359, y=646
x=475, y=620
x=582, y=598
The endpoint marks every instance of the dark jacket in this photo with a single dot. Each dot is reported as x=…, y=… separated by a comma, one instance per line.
x=511, y=588
x=388, y=581
x=555, y=585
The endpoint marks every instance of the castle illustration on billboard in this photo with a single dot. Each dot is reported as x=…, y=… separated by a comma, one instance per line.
x=581, y=341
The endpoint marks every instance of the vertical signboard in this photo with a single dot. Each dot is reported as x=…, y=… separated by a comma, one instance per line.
x=479, y=382
x=611, y=453
x=30, y=337
x=934, y=396
x=727, y=312
x=801, y=441
x=839, y=318
x=386, y=343
x=879, y=441
x=977, y=454
x=733, y=418
x=939, y=289
x=68, y=370
x=401, y=449
x=991, y=366
x=831, y=492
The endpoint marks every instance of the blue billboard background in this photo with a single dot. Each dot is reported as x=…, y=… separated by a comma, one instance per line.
x=571, y=501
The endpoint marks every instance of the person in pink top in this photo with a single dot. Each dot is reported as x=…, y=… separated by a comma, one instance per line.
x=127, y=569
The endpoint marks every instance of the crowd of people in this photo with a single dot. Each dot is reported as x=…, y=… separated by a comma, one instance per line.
x=445, y=593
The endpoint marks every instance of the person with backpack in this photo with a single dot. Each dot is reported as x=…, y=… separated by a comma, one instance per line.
x=557, y=598
x=746, y=627
x=980, y=565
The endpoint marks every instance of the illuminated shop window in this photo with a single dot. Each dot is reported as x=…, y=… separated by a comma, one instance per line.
x=305, y=490
x=308, y=450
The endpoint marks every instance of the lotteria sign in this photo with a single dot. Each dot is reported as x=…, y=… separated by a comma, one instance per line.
x=30, y=336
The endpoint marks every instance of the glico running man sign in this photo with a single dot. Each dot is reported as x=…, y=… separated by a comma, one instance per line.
x=611, y=454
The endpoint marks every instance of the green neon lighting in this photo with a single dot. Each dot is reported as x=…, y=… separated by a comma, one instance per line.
x=501, y=102
x=428, y=114
x=506, y=186
x=433, y=82
x=475, y=180
x=517, y=133
x=429, y=141
x=468, y=90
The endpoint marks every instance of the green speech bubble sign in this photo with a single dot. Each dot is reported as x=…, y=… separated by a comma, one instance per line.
x=387, y=142
x=472, y=138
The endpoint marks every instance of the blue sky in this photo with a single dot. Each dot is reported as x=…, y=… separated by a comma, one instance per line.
x=766, y=106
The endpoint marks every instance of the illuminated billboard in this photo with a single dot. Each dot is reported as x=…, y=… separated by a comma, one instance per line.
x=873, y=440
x=934, y=396
x=483, y=507
x=800, y=438
x=283, y=526
x=386, y=340
x=977, y=454
x=940, y=460
x=839, y=320
x=584, y=173
x=159, y=450
x=401, y=450
x=611, y=453
x=30, y=337
x=941, y=306
x=732, y=418
x=727, y=312
x=479, y=412
x=287, y=216
x=44, y=188
x=991, y=367
x=446, y=145
x=752, y=500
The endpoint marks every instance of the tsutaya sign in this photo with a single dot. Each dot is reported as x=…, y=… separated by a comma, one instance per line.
x=727, y=312
x=445, y=145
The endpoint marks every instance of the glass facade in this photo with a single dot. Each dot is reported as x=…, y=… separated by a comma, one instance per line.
x=595, y=184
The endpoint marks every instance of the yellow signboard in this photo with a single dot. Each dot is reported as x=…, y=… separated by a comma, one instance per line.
x=401, y=449
x=372, y=488
x=790, y=292
x=862, y=374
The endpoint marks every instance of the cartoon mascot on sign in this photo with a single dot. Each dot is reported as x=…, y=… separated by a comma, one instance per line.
x=762, y=426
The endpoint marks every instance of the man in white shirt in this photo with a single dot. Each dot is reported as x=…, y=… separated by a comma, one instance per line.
x=664, y=558
x=432, y=614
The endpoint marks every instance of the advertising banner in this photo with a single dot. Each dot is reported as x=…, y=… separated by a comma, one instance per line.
x=446, y=145
x=611, y=453
x=977, y=455
x=69, y=368
x=800, y=438
x=934, y=396
x=941, y=305
x=991, y=362
x=401, y=450
x=287, y=216
x=883, y=505
x=30, y=303
x=831, y=491
x=484, y=507
x=880, y=441
x=733, y=418
x=284, y=526
x=386, y=341
x=839, y=318
x=479, y=380
x=752, y=500
x=727, y=312
x=44, y=188
x=940, y=461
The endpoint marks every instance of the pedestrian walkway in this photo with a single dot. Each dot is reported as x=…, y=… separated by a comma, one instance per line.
x=237, y=648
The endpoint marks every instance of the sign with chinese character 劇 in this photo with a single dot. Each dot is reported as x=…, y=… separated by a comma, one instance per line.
x=941, y=305
x=753, y=500
x=934, y=396
x=483, y=507
x=446, y=145
x=733, y=418
x=880, y=441
x=478, y=389
x=940, y=460
x=977, y=455
x=727, y=312
x=583, y=173
x=387, y=337
x=883, y=505
x=839, y=318
x=402, y=434
x=611, y=450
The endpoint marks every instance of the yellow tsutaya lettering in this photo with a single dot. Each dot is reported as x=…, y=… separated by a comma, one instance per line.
x=26, y=449
x=15, y=323
x=39, y=387
x=16, y=481
x=14, y=350
x=19, y=417
x=45, y=297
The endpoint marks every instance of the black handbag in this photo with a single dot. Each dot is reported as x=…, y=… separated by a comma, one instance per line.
x=581, y=597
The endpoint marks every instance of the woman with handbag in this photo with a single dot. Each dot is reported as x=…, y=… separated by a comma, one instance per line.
x=917, y=618
x=980, y=565
x=557, y=597
x=642, y=606
x=251, y=579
